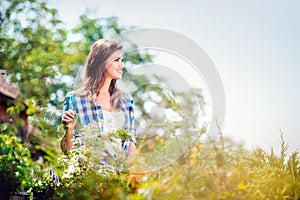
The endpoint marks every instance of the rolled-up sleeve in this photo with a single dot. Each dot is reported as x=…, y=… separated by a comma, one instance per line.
x=68, y=105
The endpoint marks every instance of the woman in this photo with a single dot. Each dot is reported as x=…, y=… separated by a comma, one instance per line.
x=99, y=99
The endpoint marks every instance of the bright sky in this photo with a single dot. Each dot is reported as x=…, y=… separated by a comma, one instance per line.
x=254, y=44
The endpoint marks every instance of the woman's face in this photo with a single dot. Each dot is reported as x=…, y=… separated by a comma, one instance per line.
x=114, y=65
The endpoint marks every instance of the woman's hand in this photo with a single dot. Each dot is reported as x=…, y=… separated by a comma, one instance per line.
x=69, y=119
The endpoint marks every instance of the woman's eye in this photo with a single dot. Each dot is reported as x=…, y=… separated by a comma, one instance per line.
x=119, y=60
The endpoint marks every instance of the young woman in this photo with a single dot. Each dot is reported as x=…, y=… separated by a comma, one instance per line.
x=99, y=99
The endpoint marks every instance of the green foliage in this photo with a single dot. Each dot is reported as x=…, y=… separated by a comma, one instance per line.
x=84, y=176
x=44, y=187
x=30, y=47
x=15, y=164
x=81, y=181
x=122, y=134
x=227, y=172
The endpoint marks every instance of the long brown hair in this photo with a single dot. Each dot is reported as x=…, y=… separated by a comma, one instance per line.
x=95, y=72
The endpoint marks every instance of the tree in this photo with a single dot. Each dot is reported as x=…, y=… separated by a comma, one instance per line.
x=39, y=58
x=32, y=44
x=42, y=60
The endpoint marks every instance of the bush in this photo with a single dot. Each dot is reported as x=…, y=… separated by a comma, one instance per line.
x=15, y=165
x=44, y=187
x=83, y=174
x=228, y=171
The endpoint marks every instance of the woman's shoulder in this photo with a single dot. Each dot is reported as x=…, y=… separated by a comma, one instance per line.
x=70, y=95
x=73, y=96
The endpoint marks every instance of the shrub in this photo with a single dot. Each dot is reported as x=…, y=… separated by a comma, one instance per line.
x=15, y=165
x=85, y=176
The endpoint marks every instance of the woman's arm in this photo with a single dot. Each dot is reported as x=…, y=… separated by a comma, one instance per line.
x=132, y=126
x=66, y=142
x=69, y=120
x=131, y=152
x=131, y=148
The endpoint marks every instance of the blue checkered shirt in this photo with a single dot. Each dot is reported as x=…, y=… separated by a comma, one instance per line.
x=88, y=111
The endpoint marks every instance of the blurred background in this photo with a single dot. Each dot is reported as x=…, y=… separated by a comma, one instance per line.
x=254, y=45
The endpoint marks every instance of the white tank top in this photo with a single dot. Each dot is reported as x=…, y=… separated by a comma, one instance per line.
x=113, y=121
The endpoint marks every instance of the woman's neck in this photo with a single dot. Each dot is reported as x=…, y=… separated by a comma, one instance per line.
x=104, y=89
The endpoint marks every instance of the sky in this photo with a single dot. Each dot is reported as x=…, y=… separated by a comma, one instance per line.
x=254, y=45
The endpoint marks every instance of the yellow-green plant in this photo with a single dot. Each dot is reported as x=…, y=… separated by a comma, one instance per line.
x=227, y=172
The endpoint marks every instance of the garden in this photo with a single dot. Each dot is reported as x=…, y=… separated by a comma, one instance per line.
x=41, y=59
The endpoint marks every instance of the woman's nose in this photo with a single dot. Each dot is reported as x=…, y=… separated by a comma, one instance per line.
x=122, y=64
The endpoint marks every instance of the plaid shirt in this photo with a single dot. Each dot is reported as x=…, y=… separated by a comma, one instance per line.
x=88, y=111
